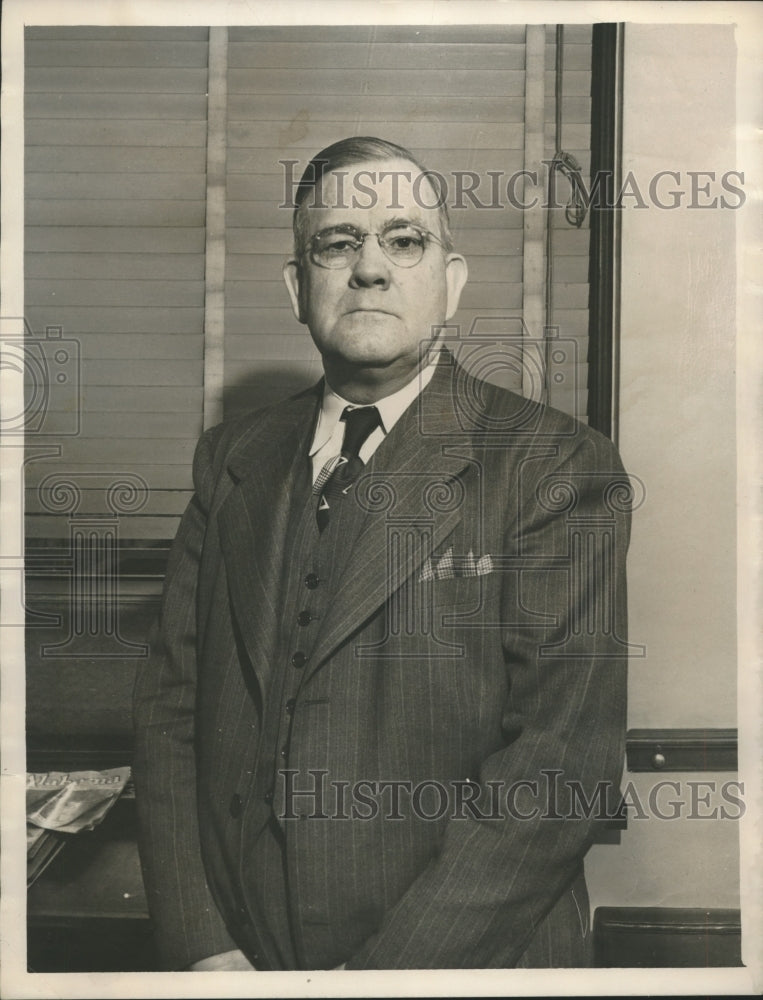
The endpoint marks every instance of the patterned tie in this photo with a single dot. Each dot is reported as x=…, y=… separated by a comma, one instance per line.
x=360, y=422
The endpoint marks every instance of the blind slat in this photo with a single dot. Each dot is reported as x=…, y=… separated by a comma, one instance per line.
x=110, y=292
x=138, y=425
x=125, y=320
x=127, y=239
x=427, y=33
x=119, y=187
x=114, y=214
x=66, y=33
x=158, y=346
x=113, y=52
x=128, y=132
x=117, y=159
x=403, y=55
x=99, y=80
x=497, y=108
x=129, y=399
x=378, y=82
x=159, y=373
x=157, y=267
x=312, y=135
x=170, y=107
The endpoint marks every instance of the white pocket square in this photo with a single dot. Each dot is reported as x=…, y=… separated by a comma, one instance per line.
x=449, y=565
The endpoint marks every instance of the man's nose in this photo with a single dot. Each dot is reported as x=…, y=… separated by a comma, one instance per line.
x=371, y=266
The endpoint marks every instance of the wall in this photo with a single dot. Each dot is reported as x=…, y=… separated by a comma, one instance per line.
x=677, y=433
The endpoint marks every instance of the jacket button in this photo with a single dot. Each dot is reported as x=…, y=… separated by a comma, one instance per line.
x=311, y=581
x=268, y=796
x=235, y=806
x=298, y=660
x=291, y=704
x=304, y=618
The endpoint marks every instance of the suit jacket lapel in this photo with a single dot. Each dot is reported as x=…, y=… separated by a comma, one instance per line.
x=414, y=484
x=253, y=521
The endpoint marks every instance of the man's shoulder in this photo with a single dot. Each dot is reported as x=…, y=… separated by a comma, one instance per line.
x=492, y=410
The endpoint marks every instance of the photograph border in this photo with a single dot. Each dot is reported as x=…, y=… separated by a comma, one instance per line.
x=15, y=980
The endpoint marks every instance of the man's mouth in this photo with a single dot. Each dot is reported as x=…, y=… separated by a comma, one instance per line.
x=366, y=309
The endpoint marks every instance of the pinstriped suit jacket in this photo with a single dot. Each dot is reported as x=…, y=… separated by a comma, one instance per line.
x=476, y=634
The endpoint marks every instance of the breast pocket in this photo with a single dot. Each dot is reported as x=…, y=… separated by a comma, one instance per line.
x=464, y=592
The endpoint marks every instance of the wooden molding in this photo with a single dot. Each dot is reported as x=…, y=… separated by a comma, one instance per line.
x=681, y=750
x=666, y=936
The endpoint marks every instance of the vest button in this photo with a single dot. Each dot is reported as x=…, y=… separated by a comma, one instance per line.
x=235, y=806
x=304, y=618
x=298, y=660
x=311, y=581
x=268, y=796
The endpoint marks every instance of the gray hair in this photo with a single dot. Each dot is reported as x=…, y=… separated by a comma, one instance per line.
x=348, y=152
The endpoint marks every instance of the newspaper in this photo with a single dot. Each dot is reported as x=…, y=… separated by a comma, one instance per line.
x=59, y=803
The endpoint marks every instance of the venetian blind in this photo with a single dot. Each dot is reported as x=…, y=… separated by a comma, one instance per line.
x=116, y=203
x=115, y=215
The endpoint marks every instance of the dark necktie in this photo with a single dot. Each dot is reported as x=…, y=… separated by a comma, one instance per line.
x=359, y=422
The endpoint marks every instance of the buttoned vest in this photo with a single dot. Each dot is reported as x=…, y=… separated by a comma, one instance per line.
x=312, y=566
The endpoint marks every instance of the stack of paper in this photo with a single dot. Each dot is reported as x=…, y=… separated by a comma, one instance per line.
x=60, y=803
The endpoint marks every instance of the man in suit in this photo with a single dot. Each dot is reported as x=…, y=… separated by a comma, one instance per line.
x=384, y=710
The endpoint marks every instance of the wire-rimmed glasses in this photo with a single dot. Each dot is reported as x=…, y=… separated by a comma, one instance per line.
x=403, y=243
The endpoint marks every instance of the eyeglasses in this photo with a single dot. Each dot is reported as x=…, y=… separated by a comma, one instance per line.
x=402, y=243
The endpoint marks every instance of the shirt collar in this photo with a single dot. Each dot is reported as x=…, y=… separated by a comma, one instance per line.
x=391, y=408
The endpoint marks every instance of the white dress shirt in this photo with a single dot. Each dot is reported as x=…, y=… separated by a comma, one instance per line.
x=329, y=434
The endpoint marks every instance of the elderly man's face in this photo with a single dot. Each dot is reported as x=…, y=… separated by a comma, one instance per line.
x=374, y=313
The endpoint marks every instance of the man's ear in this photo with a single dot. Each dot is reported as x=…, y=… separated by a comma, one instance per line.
x=456, y=273
x=292, y=277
